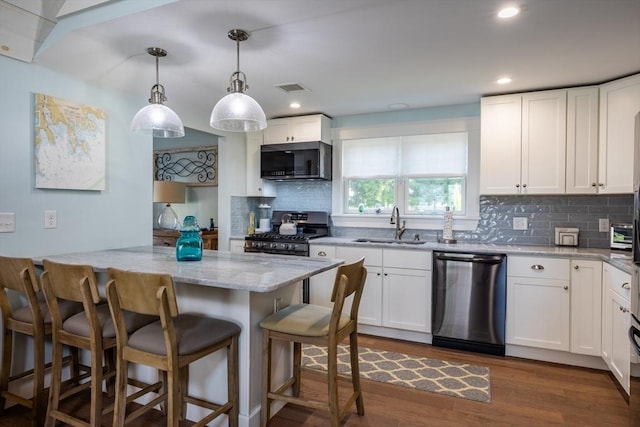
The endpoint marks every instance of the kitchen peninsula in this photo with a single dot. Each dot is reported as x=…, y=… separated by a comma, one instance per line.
x=235, y=286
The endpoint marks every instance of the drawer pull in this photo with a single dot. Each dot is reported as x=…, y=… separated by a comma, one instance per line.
x=322, y=253
x=626, y=285
x=537, y=267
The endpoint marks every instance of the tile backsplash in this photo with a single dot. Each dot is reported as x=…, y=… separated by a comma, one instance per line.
x=543, y=214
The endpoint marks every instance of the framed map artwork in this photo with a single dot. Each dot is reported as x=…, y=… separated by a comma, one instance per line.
x=193, y=166
x=69, y=150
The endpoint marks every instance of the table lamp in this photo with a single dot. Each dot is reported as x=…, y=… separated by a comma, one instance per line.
x=168, y=192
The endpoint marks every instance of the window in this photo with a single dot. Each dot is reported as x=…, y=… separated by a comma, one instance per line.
x=423, y=174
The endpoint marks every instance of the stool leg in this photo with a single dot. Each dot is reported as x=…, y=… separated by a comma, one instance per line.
x=332, y=372
x=96, y=388
x=232, y=381
x=39, y=399
x=266, y=378
x=183, y=391
x=355, y=371
x=297, y=366
x=5, y=370
x=173, y=396
x=56, y=378
x=120, y=403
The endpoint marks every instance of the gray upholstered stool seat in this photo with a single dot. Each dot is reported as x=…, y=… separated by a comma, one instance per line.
x=78, y=324
x=193, y=333
x=67, y=309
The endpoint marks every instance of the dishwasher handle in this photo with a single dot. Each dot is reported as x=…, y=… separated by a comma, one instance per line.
x=485, y=259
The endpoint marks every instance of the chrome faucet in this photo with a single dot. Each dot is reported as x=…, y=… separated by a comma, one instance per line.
x=395, y=219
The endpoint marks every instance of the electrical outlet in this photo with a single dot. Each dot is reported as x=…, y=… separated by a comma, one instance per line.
x=277, y=303
x=7, y=222
x=520, y=223
x=50, y=219
x=603, y=225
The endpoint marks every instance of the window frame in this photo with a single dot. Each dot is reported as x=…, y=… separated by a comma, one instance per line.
x=466, y=220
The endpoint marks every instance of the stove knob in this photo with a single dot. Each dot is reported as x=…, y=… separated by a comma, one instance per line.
x=287, y=246
x=274, y=246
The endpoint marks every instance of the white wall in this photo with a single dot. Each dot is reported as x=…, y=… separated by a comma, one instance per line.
x=119, y=216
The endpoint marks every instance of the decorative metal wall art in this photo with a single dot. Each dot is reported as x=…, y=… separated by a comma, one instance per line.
x=193, y=166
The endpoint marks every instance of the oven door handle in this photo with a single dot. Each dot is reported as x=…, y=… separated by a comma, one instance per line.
x=633, y=334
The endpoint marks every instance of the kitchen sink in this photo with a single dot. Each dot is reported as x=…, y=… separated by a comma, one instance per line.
x=390, y=241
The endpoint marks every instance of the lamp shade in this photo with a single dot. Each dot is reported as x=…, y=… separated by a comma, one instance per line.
x=157, y=120
x=168, y=191
x=238, y=112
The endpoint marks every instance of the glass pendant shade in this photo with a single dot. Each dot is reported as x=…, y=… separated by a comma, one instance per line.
x=238, y=112
x=157, y=120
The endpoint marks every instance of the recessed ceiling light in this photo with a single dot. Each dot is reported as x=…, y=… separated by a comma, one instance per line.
x=398, y=106
x=508, y=12
x=504, y=80
x=294, y=105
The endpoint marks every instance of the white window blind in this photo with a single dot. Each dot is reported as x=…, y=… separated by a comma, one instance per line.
x=438, y=154
x=371, y=157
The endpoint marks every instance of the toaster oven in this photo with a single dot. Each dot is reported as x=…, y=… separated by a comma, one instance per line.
x=621, y=236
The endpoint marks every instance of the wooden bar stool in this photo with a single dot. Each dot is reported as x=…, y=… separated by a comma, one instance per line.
x=320, y=326
x=169, y=345
x=18, y=276
x=91, y=329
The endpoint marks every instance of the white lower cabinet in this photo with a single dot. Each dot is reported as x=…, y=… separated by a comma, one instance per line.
x=321, y=285
x=397, y=293
x=538, y=302
x=236, y=245
x=616, y=350
x=586, y=307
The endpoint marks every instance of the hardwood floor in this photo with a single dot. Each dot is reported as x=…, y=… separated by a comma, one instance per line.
x=524, y=393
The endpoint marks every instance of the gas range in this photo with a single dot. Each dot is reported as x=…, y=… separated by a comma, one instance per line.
x=309, y=225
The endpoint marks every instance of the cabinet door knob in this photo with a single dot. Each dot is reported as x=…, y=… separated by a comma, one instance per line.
x=517, y=185
x=601, y=185
x=322, y=253
x=537, y=267
x=379, y=274
x=576, y=267
x=626, y=285
x=565, y=287
x=524, y=185
x=593, y=184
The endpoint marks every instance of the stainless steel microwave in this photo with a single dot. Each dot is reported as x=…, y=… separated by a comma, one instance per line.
x=621, y=236
x=300, y=160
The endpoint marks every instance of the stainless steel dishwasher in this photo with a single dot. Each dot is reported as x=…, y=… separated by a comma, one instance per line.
x=469, y=301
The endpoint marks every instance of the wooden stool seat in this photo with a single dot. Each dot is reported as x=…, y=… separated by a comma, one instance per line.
x=170, y=345
x=17, y=275
x=321, y=326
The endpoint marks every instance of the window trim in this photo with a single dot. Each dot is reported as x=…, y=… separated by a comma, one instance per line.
x=468, y=221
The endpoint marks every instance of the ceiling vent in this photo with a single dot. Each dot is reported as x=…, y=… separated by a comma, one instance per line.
x=292, y=87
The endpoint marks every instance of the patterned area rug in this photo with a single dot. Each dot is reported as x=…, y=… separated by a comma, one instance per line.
x=437, y=376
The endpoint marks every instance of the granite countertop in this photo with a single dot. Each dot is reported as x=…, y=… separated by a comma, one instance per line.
x=620, y=259
x=247, y=272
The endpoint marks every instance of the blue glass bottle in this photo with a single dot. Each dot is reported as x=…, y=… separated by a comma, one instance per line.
x=189, y=244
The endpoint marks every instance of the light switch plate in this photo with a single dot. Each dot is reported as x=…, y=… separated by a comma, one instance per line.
x=7, y=222
x=520, y=223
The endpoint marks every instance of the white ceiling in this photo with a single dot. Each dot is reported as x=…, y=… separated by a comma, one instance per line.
x=355, y=56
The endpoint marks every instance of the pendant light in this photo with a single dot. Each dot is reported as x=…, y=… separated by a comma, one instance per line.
x=157, y=119
x=238, y=112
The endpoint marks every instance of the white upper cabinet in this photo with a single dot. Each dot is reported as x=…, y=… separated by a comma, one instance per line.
x=315, y=127
x=619, y=103
x=523, y=143
x=256, y=186
x=582, y=140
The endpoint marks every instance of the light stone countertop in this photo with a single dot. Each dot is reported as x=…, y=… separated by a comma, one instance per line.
x=620, y=259
x=247, y=272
